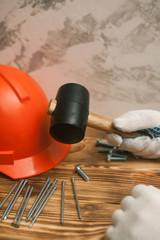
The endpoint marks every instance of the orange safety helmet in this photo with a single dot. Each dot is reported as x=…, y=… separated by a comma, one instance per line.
x=26, y=148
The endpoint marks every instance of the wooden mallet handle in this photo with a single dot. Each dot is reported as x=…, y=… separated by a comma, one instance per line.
x=106, y=124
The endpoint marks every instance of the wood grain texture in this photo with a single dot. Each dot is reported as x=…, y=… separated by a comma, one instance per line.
x=109, y=184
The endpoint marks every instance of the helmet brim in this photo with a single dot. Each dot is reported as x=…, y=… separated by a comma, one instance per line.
x=37, y=164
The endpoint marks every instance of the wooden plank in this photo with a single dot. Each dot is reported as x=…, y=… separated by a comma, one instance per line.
x=109, y=184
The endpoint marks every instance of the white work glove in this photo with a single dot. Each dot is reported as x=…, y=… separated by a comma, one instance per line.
x=139, y=218
x=143, y=120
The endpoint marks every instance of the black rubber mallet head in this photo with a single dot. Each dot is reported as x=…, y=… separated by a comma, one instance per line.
x=70, y=115
x=68, y=121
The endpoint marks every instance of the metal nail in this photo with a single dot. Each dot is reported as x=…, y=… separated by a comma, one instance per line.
x=53, y=185
x=8, y=195
x=14, y=198
x=38, y=201
x=46, y=183
x=101, y=143
x=14, y=201
x=17, y=225
x=81, y=173
x=62, y=202
x=76, y=197
x=45, y=200
x=20, y=208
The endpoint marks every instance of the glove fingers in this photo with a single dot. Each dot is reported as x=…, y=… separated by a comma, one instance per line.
x=156, y=190
x=110, y=233
x=140, y=217
x=128, y=203
x=152, y=156
x=143, y=146
x=117, y=216
x=152, y=150
x=114, y=139
x=137, y=120
x=135, y=145
x=147, y=192
x=129, y=144
x=138, y=189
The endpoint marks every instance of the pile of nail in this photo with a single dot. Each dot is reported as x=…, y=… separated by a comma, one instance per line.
x=75, y=196
x=38, y=205
x=22, y=207
x=113, y=153
x=41, y=200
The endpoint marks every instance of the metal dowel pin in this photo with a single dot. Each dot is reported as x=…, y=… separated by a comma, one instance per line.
x=47, y=197
x=12, y=199
x=62, y=202
x=15, y=199
x=46, y=183
x=53, y=184
x=24, y=207
x=8, y=195
x=76, y=197
x=20, y=208
x=38, y=201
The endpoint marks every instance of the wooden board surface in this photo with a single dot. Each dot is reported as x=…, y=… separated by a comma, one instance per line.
x=109, y=184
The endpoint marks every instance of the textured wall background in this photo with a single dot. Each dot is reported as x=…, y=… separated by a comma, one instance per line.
x=111, y=47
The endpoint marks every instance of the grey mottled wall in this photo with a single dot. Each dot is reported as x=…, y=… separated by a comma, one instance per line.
x=111, y=47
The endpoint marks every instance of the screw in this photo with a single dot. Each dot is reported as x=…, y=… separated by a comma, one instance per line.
x=62, y=203
x=5, y=199
x=116, y=158
x=81, y=173
x=101, y=143
x=76, y=197
x=45, y=200
x=111, y=150
x=30, y=211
